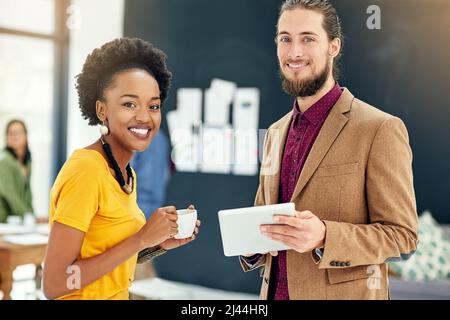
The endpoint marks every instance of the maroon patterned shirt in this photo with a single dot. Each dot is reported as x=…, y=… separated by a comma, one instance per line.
x=302, y=134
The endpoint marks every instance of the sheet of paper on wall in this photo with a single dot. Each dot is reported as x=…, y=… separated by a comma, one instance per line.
x=26, y=239
x=245, y=122
x=218, y=99
x=245, y=152
x=246, y=108
x=185, y=150
x=217, y=110
x=177, y=120
x=188, y=112
x=185, y=142
x=189, y=105
x=225, y=89
x=216, y=149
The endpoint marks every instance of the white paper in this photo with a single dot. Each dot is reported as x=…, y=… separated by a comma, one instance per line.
x=245, y=122
x=246, y=108
x=216, y=149
x=245, y=152
x=213, y=147
x=185, y=149
x=217, y=111
x=218, y=99
x=189, y=105
x=182, y=123
x=225, y=89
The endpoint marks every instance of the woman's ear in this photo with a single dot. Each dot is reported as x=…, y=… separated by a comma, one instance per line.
x=100, y=109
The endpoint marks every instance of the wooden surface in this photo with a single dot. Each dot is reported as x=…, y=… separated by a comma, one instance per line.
x=12, y=256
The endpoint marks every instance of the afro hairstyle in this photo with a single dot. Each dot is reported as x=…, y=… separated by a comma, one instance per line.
x=114, y=57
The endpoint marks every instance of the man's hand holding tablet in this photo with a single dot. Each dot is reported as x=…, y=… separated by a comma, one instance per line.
x=303, y=232
x=240, y=229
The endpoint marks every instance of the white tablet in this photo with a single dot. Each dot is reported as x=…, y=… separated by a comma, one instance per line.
x=240, y=229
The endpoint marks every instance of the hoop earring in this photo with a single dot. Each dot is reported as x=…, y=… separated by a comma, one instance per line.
x=104, y=131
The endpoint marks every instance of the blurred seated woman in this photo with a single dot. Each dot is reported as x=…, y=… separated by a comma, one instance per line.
x=15, y=173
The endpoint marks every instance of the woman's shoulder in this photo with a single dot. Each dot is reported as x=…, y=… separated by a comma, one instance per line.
x=85, y=160
x=84, y=168
x=4, y=154
x=6, y=158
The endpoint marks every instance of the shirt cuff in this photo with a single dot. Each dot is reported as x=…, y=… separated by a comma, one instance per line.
x=318, y=254
x=252, y=260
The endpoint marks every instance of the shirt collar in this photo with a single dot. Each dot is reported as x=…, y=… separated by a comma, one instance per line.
x=318, y=110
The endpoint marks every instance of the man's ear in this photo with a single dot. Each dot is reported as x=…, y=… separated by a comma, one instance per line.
x=100, y=109
x=335, y=47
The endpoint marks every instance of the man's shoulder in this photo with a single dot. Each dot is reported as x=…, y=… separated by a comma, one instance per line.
x=363, y=111
x=366, y=120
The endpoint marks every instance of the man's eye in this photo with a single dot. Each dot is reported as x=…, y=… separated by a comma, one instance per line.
x=154, y=107
x=129, y=105
x=308, y=39
x=284, y=39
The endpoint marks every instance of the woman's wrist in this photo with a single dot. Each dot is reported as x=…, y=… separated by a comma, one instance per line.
x=139, y=242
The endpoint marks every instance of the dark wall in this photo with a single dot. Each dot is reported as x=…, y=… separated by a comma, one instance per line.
x=403, y=69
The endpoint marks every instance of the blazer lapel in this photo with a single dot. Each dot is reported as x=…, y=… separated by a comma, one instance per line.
x=331, y=128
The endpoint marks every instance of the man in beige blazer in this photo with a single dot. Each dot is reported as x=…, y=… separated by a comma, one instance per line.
x=353, y=191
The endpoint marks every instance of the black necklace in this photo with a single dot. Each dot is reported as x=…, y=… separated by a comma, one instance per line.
x=128, y=188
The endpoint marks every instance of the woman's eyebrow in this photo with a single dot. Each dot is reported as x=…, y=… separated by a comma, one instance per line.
x=135, y=96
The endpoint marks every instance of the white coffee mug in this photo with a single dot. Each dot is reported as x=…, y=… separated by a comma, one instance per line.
x=29, y=220
x=16, y=220
x=187, y=219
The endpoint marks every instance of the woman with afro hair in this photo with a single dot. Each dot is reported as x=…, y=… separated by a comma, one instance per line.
x=97, y=229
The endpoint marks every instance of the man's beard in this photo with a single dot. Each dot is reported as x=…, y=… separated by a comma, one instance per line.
x=305, y=88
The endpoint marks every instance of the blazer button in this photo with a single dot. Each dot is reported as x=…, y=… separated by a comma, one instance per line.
x=333, y=263
x=342, y=264
x=348, y=264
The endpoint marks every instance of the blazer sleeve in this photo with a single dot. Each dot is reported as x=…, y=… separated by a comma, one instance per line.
x=392, y=233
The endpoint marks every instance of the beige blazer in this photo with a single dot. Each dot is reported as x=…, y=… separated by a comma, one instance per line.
x=358, y=179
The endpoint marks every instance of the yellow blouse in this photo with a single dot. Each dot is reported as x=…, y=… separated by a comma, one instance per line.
x=87, y=197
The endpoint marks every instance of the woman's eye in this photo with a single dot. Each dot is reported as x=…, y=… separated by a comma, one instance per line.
x=129, y=105
x=154, y=107
x=308, y=39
